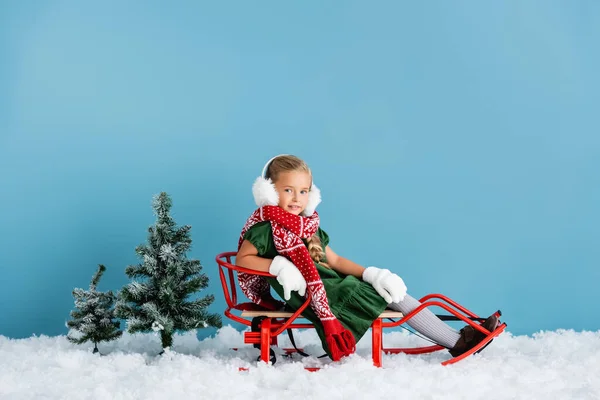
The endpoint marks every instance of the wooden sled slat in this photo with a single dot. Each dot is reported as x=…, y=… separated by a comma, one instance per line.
x=286, y=314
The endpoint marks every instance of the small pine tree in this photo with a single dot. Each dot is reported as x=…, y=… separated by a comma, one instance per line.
x=158, y=302
x=93, y=316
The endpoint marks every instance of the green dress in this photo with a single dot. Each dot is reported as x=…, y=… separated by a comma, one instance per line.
x=354, y=302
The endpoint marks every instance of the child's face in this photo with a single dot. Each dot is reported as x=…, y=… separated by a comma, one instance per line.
x=293, y=188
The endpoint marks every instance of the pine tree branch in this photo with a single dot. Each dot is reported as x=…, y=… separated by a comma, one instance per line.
x=137, y=271
x=97, y=276
x=194, y=284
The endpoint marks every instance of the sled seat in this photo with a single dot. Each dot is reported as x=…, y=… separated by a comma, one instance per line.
x=287, y=314
x=273, y=323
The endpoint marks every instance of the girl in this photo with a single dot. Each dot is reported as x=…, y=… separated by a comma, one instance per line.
x=284, y=238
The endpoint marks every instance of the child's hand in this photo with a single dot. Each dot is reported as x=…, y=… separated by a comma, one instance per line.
x=389, y=286
x=288, y=276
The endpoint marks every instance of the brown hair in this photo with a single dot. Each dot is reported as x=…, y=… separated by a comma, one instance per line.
x=315, y=249
x=285, y=163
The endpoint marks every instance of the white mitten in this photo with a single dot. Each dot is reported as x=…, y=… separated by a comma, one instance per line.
x=288, y=276
x=389, y=286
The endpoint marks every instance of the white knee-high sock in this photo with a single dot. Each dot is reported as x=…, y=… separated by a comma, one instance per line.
x=427, y=323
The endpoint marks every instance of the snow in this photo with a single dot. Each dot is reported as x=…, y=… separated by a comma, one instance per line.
x=560, y=364
x=167, y=252
x=156, y=326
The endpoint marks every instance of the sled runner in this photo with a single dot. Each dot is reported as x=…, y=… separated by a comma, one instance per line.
x=267, y=325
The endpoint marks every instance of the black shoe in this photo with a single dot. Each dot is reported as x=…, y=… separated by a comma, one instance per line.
x=470, y=337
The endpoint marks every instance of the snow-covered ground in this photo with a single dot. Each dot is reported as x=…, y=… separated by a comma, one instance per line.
x=548, y=365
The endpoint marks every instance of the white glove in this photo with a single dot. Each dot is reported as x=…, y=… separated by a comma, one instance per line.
x=389, y=286
x=288, y=276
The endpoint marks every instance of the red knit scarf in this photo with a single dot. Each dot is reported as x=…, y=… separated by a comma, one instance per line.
x=288, y=232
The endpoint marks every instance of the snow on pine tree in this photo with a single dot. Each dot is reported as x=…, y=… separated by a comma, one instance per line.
x=94, y=315
x=157, y=298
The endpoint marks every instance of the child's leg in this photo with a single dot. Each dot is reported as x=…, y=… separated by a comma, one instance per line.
x=427, y=323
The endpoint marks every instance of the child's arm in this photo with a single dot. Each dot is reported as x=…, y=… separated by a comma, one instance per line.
x=247, y=257
x=286, y=272
x=343, y=265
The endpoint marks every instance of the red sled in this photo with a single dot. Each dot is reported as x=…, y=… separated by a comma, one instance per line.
x=273, y=323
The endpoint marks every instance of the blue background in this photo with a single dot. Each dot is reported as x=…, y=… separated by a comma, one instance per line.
x=455, y=143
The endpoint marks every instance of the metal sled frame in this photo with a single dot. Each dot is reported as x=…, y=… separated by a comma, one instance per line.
x=276, y=322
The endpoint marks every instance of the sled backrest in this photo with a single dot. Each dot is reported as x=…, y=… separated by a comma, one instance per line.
x=228, y=274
